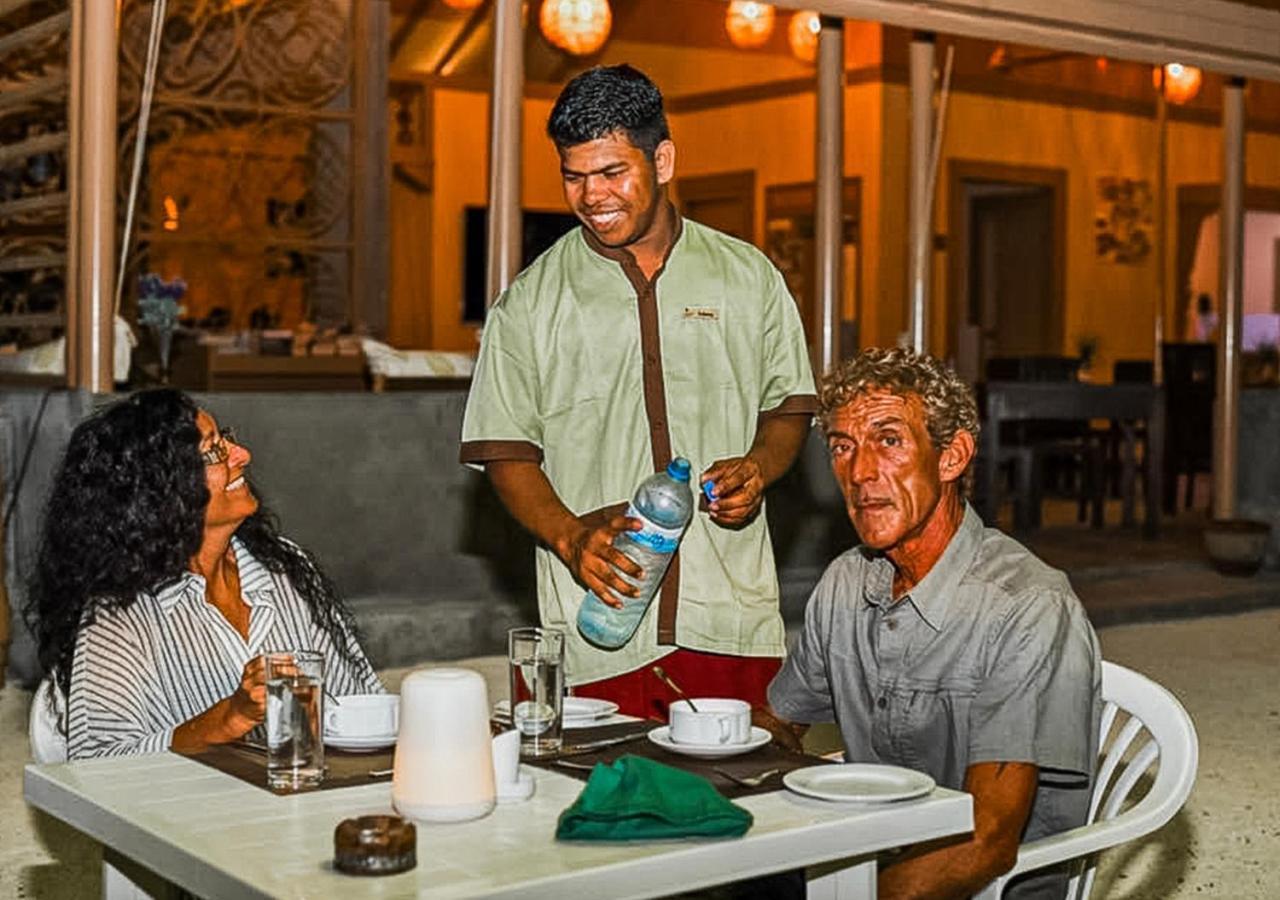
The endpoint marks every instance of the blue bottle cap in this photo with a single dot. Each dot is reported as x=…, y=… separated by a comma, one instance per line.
x=679, y=468
x=709, y=491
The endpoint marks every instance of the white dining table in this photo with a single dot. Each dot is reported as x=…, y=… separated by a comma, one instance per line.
x=217, y=836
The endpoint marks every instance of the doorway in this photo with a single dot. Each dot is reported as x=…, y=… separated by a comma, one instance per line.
x=789, y=244
x=1006, y=263
x=725, y=202
x=1197, y=258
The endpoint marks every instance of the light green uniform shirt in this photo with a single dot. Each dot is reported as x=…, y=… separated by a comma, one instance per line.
x=577, y=372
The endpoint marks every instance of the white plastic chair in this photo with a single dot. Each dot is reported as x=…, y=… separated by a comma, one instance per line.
x=122, y=879
x=46, y=725
x=1169, y=742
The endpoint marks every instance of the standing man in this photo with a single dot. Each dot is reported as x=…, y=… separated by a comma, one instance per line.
x=636, y=338
x=938, y=644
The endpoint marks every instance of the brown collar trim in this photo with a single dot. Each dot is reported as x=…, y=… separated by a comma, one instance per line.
x=669, y=221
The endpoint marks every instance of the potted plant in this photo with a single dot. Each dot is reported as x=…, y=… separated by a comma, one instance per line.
x=1237, y=546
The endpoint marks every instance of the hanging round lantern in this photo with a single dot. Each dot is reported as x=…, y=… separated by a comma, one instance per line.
x=1181, y=83
x=749, y=23
x=579, y=27
x=462, y=4
x=802, y=35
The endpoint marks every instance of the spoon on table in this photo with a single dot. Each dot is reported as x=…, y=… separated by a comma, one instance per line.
x=748, y=781
x=657, y=670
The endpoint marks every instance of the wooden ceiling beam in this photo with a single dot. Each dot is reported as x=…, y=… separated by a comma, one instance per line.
x=463, y=34
x=409, y=25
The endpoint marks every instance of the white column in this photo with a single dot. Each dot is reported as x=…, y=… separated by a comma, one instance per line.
x=1230, y=290
x=505, y=150
x=829, y=190
x=90, y=300
x=921, y=202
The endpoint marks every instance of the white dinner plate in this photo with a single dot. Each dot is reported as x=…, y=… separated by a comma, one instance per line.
x=578, y=711
x=863, y=782
x=361, y=744
x=662, y=737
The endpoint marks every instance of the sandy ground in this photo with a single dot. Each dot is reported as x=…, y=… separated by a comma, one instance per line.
x=1224, y=843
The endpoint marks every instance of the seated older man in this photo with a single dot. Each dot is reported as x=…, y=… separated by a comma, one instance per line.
x=940, y=644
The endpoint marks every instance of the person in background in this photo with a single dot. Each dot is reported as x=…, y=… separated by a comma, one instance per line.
x=939, y=644
x=636, y=338
x=160, y=582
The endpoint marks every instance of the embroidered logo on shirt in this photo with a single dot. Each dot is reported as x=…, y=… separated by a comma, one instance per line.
x=704, y=313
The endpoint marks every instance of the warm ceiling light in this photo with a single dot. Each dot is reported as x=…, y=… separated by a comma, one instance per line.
x=749, y=23
x=579, y=27
x=802, y=34
x=462, y=4
x=1181, y=83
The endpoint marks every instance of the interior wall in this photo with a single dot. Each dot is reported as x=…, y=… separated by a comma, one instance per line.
x=461, y=128
x=1115, y=302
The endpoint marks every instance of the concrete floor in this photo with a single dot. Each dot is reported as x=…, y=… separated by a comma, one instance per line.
x=1224, y=843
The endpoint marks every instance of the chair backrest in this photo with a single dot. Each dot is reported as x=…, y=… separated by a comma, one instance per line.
x=1142, y=724
x=47, y=724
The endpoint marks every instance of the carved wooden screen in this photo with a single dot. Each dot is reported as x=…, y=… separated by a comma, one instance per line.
x=34, y=45
x=246, y=189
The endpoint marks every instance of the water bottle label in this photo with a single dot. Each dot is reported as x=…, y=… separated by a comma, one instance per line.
x=654, y=536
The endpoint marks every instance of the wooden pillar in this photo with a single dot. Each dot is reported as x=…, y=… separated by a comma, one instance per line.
x=921, y=201
x=829, y=190
x=93, y=119
x=505, y=150
x=1231, y=290
x=371, y=161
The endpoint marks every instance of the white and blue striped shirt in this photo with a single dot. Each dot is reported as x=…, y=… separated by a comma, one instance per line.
x=138, y=673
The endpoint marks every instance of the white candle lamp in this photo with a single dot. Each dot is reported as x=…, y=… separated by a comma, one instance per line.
x=444, y=754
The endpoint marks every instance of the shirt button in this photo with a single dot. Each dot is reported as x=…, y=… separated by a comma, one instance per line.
x=882, y=703
x=892, y=624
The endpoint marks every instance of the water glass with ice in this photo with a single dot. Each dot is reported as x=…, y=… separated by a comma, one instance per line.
x=295, y=711
x=536, y=663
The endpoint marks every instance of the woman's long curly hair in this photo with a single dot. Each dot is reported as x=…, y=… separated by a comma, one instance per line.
x=126, y=515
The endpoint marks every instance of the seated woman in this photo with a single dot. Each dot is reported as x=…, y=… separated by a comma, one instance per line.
x=160, y=582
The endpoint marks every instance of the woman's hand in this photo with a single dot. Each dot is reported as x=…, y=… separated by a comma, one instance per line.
x=230, y=718
x=248, y=705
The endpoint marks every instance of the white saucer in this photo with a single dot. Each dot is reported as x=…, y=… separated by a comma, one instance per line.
x=361, y=743
x=578, y=712
x=862, y=782
x=662, y=737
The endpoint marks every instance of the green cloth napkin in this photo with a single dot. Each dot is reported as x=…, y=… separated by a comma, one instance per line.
x=639, y=799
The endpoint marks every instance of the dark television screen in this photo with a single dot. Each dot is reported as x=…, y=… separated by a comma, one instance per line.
x=539, y=230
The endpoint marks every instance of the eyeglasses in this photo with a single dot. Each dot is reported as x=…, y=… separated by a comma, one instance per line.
x=218, y=451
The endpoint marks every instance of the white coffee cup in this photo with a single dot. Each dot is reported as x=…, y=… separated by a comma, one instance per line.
x=362, y=715
x=717, y=721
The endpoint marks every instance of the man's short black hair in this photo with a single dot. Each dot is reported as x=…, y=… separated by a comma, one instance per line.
x=606, y=100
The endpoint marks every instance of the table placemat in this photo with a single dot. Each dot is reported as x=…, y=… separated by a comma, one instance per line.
x=248, y=762
x=770, y=756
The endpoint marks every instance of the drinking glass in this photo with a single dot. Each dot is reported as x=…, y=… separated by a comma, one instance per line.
x=295, y=711
x=536, y=671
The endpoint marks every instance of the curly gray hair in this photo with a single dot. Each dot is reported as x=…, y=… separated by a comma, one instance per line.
x=949, y=405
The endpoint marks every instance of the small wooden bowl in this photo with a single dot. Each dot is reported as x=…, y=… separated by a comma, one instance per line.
x=375, y=845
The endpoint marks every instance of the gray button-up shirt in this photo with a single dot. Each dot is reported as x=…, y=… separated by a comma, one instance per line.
x=990, y=658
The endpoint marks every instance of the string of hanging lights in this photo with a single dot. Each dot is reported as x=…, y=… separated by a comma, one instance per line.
x=802, y=35
x=578, y=27
x=1181, y=83
x=749, y=23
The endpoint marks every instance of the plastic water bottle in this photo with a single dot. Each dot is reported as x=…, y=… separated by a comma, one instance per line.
x=664, y=503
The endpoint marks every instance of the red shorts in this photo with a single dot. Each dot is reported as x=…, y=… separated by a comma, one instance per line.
x=642, y=694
